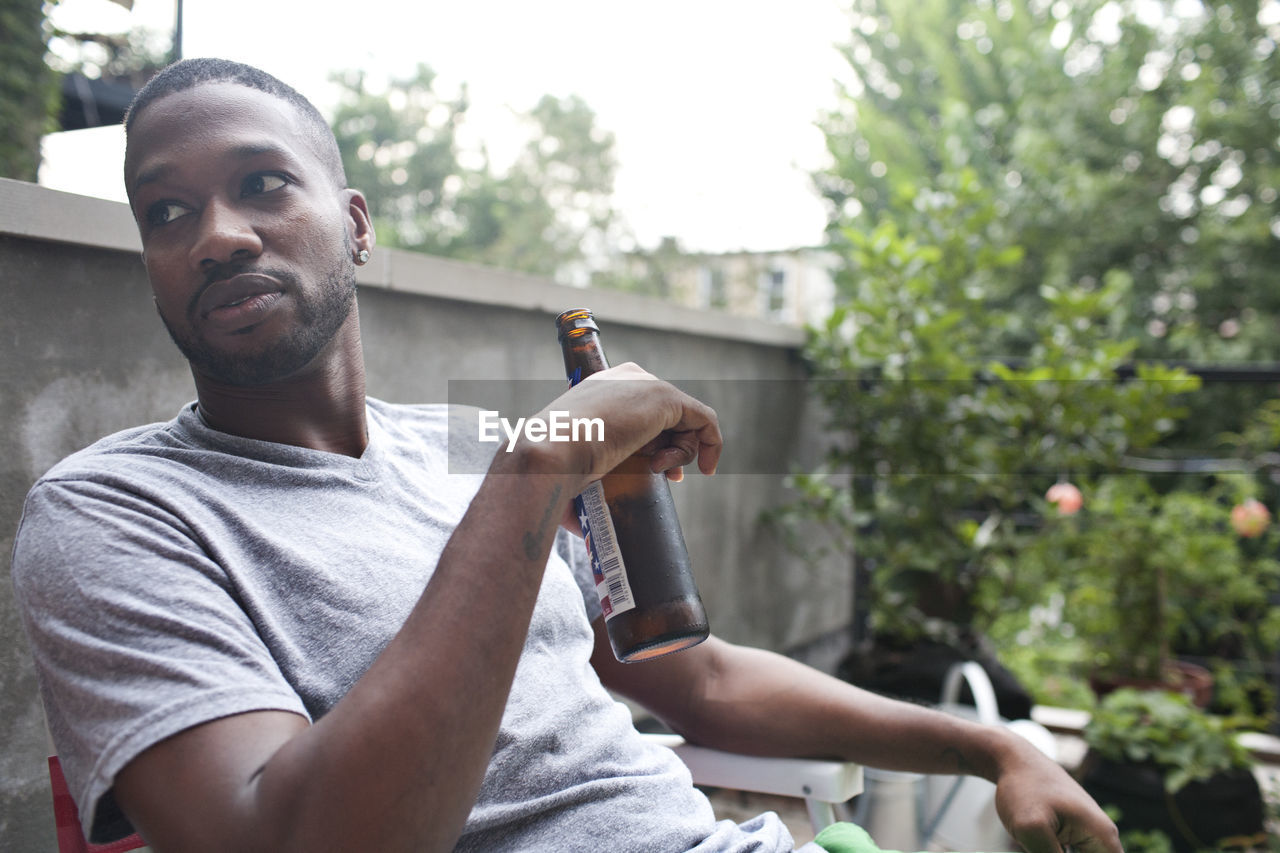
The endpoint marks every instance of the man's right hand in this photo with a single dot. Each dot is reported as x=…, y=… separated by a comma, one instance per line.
x=641, y=414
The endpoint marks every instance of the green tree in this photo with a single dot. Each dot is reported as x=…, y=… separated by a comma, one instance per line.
x=1115, y=136
x=645, y=271
x=1029, y=195
x=550, y=212
x=28, y=88
x=939, y=449
x=399, y=147
x=131, y=57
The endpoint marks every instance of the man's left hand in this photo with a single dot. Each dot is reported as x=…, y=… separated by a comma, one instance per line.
x=1046, y=811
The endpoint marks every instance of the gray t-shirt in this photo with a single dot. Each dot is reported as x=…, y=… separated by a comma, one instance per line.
x=171, y=575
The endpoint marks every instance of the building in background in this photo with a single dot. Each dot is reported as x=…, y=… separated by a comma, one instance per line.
x=792, y=286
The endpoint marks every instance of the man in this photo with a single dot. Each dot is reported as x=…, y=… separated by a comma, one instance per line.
x=277, y=623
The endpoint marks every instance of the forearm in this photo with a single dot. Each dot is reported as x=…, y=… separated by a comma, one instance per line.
x=419, y=727
x=758, y=702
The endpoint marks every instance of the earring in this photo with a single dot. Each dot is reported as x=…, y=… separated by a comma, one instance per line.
x=363, y=257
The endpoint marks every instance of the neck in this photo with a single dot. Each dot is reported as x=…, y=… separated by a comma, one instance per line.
x=321, y=407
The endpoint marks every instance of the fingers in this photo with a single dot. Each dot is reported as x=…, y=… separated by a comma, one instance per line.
x=1100, y=837
x=658, y=420
x=671, y=451
x=1070, y=819
x=1098, y=845
x=1039, y=838
x=569, y=520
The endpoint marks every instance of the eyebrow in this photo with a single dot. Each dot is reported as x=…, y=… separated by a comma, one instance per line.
x=240, y=152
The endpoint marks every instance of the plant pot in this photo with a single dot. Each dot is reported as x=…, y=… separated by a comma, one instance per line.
x=1191, y=680
x=916, y=671
x=1224, y=811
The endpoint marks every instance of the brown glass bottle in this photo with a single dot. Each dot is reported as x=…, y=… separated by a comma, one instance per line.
x=646, y=587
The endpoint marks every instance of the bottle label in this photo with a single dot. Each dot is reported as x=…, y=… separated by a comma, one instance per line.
x=602, y=544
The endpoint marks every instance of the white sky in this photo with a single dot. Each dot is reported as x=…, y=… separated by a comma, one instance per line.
x=712, y=102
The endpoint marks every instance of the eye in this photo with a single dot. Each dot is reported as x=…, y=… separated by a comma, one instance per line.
x=261, y=183
x=163, y=212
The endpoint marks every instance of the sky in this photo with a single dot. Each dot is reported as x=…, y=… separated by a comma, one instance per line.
x=712, y=102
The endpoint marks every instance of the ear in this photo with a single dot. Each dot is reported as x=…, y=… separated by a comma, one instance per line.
x=359, y=222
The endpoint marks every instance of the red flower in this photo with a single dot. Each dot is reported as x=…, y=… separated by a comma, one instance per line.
x=1065, y=497
x=1250, y=518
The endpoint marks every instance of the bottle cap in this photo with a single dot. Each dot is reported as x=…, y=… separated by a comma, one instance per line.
x=575, y=322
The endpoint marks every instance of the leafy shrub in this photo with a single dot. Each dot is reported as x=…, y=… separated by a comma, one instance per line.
x=1165, y=729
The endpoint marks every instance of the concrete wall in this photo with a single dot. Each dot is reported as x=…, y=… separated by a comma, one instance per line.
x=82, y=354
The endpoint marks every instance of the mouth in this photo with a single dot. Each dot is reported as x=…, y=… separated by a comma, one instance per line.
x=239, y=301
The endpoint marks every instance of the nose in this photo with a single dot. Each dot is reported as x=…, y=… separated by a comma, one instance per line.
x=225, y=234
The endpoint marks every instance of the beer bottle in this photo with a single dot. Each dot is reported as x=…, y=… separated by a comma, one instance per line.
x=638, y=556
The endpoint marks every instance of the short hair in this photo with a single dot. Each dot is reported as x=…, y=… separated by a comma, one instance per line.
x=189, y=73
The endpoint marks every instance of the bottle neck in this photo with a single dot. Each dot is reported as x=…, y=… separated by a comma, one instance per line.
x=583, y=356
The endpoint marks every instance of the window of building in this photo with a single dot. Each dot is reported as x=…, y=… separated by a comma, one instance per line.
x=773, y=292
x=711, y=290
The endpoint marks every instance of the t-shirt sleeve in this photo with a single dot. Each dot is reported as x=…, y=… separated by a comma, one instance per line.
x=574, y=552
x=136, y=634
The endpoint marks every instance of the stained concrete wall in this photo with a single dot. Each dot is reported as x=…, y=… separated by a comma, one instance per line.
x=82, y=354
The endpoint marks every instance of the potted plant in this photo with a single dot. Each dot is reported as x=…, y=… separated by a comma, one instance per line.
x=1150, y=577
x=1163, y=765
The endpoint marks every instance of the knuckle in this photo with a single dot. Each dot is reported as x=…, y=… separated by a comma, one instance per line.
x=1110, y=836
x=1030, y=822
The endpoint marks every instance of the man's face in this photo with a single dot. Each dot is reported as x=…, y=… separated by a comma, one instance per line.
x=247, y=240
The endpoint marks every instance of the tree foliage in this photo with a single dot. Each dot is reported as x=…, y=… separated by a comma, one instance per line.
x=28, y=88
x=1134, y=136
x=132, y=57
x=549, y=212
x=949, y=447
x=1029, y=197
x=399, y=148
x=34, y=56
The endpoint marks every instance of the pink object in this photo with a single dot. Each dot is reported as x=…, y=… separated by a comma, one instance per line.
x=1250, y=518
x=67, y=818
x=1065, y=497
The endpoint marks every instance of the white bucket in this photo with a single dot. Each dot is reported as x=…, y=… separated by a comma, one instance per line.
x=890, y=808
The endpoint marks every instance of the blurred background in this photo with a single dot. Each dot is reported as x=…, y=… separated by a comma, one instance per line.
x=1024, y=253
x=705, y=110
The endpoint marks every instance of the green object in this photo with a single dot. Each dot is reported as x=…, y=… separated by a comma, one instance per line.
x=847, y=838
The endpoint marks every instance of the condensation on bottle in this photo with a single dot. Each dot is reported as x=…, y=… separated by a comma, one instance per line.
x=638, y=556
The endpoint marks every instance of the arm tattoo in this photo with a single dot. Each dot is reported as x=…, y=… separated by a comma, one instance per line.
x=963, y=767
x=532, y=541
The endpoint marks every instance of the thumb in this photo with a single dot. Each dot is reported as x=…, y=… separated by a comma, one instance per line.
x=1038, y=839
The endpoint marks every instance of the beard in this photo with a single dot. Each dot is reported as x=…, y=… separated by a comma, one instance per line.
x=319, y=320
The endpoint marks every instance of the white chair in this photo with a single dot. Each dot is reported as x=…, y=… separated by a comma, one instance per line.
x=821, y=784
